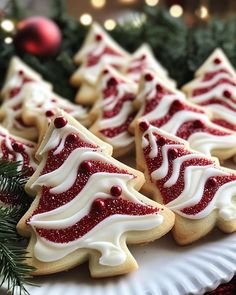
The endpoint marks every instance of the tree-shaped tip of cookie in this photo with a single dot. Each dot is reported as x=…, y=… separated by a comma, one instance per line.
x=98, y=37
x=86, y=200
x=215, y=62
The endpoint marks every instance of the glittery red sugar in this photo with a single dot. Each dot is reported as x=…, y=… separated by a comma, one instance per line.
x=102, y=209
x=202, y=90
x=11, y=155
x=93, y=60
x=171, y=193
x=144, y=125
x=14, y=91
x=49, y=201
x=209, y=75
x=114, y=131
x=225, y=124
x=224, y=103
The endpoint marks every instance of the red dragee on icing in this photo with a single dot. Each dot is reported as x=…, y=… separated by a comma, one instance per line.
x=189, y=183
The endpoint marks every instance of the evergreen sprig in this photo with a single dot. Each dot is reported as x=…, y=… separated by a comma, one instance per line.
x=12, y=181
x=14, y=272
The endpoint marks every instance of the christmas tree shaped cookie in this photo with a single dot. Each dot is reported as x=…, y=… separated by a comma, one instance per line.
x=98, y=50
x=144, y=59
x=18, y=75
x=87, y=206
x=168, y=109
x=114, y=111
x=215, y=88
x=199, y=191
x=16, y=149
x=40, y=105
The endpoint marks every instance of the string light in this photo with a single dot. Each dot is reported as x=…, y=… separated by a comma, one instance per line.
x=8, y=40
x=7, y=25
x=202, y=12
x=127, y=1
x=86, y=19
x=176, y=10
x=110, y=24
x=152, y=2
x=98, y=3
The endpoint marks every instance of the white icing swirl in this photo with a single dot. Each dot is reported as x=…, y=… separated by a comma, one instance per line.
x=195, y=178
x=106, y=236
x=201, y=141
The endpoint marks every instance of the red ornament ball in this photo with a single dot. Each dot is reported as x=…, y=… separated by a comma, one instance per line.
x=38, y=35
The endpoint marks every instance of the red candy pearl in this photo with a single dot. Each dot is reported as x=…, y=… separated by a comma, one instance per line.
x=211, y=182
x=105, y=71
x=144, y=125
x=98, y=205
x=227, y=94
x=60, y=122
x=17, y=147
x=143, y=57
x=72, y=137
x=85, y=166
x=148, y=77
x=20, y=72
x=98, y=37
x=112, y=82
x=50, y=113
x=173, y=153
x=217, y=61
x=159, y=88
x=198, y=124
x=161, y=141
x=116, y=191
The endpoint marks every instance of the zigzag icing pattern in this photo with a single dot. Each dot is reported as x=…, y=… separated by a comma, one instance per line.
x=190, y=184
x=215, y=89
x=98, y=51
x=76, y=209
x=116, y=109
x=168, y=109
x=16, y=150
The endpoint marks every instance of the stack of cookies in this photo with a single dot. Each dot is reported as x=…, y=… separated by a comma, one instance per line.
x=87, y=205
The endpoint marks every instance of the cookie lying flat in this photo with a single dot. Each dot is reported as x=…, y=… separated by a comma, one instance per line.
x=215, y=88
x=13, y=148
x=144, y=59
x=18, y=75
x=114, y=111
x=199, y=191
x=168, y=109
x=40, y=104
x=87, y=206
x=98, y=50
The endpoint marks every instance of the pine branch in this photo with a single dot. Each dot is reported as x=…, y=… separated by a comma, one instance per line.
x=13, y=270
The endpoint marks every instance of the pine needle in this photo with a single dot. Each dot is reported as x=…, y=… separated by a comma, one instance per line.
x=14, y=272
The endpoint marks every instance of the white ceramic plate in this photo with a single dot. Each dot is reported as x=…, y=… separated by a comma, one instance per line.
x=164, y=269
